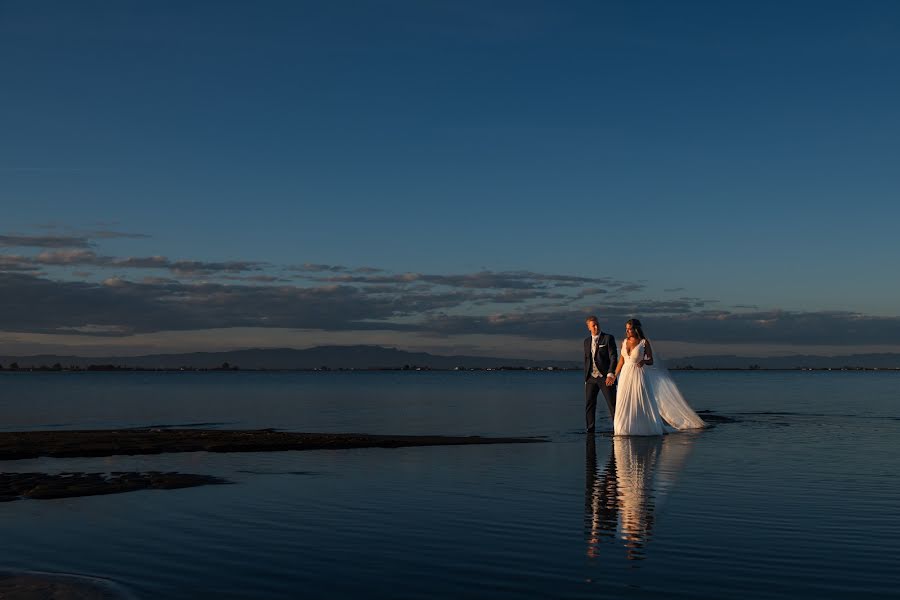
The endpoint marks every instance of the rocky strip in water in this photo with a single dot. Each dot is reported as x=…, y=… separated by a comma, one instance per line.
x=43, y=486
x=16, y=445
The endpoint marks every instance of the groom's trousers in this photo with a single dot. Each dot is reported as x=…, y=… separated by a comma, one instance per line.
x=592, y=387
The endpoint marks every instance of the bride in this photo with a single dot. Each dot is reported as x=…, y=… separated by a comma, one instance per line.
x=647, y=400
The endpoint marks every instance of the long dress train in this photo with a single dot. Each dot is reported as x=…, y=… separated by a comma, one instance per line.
x=647, y=400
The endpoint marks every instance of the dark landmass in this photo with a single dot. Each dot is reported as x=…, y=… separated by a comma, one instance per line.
x=56, y=586
x=15, y=445
x=794, y=362
x=42, y=486
x=378, y=358
x=318, y=358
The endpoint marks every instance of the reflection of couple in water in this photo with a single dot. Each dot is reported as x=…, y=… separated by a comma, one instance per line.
x=621, y=500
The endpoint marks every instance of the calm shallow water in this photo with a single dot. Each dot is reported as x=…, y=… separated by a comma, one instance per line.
x=797, y=498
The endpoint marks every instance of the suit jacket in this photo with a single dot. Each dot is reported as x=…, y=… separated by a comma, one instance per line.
x=607, y=356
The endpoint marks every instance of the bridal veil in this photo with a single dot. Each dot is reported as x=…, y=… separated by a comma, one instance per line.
x=673, y=408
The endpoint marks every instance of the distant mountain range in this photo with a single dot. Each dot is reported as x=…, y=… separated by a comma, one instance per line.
x=331, y=357
x=379, y=357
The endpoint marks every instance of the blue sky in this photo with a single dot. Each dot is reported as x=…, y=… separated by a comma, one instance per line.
x=477, y=176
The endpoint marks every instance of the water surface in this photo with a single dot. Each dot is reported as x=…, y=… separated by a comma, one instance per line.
x=796, y=498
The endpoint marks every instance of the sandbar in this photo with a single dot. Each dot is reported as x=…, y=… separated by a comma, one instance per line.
x=45, y=486
x=17, y=445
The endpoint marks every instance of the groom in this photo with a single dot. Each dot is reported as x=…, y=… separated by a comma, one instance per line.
x=600, y=358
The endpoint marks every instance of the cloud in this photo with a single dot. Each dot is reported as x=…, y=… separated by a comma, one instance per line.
x=480, y=280
x=196, y=267
x=317, y=268
x=257, y=278
x=631, y=287
x=772, y=327
x=82, y=257
x=44, y=241
x=118, y=307
x=145, y=262
x=323, y=268
x=335, y=298
x=94, y=329
x=12, y=262
x=782, y=327
x=106, y=234
x=69, y=257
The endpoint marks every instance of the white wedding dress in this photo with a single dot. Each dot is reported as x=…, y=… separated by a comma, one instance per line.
x=647, y=400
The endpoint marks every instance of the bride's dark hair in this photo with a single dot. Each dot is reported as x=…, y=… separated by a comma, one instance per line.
x=636, y=325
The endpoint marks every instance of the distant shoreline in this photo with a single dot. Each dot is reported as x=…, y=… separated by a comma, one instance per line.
x=120, y=369
x=379, y=358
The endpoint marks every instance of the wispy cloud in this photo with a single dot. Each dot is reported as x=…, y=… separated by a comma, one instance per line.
x=479, y=280
x=317, y=268
x=306, y=268
x=16, y=263
x=68, y=239
x=164, y=294
x=116, y=307
x=106, y=234
x=44, y=241
x=82, y=257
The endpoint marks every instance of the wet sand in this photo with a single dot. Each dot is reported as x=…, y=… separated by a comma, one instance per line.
x=16, y=445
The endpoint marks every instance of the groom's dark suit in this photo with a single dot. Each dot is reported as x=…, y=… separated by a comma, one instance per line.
x=605, y=358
